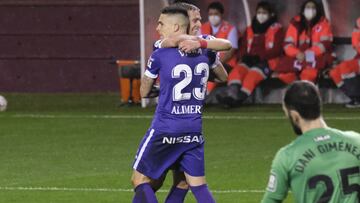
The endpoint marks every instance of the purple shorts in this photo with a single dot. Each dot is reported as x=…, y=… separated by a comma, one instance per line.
x=160, y=151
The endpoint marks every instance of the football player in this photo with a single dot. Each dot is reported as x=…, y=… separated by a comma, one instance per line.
x=175, y=135
x=322, y=164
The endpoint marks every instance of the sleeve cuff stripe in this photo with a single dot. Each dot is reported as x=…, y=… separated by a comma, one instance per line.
x=150, y=75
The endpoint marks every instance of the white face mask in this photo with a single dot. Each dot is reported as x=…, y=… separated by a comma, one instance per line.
x=262, y=18
x=214, y=20
x=309, y=13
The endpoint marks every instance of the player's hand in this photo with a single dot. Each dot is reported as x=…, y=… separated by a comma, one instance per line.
x=300, y=56
x=154, y=92
x=189, y=46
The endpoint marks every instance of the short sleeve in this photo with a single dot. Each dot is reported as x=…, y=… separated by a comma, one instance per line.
x=278, y=186
x=157, y=45
x=214, y=58
x=207, y=37
x=153, y=66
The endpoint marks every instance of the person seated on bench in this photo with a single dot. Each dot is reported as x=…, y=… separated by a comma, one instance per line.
x=260, y=49
x=308, y=45
x=346, y=75
x=218, y=27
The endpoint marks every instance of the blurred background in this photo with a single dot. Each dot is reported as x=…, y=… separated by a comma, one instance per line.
x=65, y=46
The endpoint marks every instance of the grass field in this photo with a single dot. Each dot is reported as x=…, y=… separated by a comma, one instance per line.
x=79, y=148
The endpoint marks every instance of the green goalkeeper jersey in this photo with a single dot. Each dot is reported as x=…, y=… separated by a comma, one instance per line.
x=322, y=165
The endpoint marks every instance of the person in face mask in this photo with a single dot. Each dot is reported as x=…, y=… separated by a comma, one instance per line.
x=346, y=75
x=308, y=45
x=259, y=54
x=220, y=28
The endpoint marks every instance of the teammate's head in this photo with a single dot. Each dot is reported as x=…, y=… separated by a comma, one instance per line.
x=302, y=103
x=215, y=13
x=172, y=20
x=194, y=17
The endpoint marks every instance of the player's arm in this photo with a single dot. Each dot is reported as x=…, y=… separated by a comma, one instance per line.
x=278, y=184
x=220, y=73
x=174, y=41
x=146, y=86
x=213, y=44
x=217, y=72
x=218, y=44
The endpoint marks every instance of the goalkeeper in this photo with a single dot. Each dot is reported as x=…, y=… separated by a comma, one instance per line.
x=322, y=164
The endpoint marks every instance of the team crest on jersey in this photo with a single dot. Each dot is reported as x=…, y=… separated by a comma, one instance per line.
x=158, y=44
x=272, y=182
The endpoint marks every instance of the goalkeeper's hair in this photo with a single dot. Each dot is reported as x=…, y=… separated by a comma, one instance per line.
x=303, y=97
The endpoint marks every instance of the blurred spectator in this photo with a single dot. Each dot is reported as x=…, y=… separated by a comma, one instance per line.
x=346, y=75
x=308, y=44
x=261, y=47
x=220, y=28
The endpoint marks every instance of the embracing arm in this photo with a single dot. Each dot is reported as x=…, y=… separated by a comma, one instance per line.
x=173, y=41
x=214, y=44
x=218, y=44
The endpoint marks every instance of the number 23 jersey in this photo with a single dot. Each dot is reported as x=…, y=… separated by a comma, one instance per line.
x=182, y=88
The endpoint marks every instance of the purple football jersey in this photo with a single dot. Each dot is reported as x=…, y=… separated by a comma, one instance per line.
x=182, y=88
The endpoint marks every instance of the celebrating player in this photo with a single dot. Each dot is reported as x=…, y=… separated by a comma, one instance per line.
x=322, y=164
x=175, y=135
x=189, y=43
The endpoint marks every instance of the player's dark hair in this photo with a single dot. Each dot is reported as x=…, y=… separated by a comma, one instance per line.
x=186, y=6
x=303, y=97
x=217, y=6
x=174, y=10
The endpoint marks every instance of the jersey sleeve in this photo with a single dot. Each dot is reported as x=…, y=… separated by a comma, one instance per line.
x=207, y=37
x=153, y=66
x=278, y=184
x=157, y=45
x=214, y=58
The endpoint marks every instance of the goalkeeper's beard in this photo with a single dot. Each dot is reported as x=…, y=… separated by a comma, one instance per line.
x=295, y=127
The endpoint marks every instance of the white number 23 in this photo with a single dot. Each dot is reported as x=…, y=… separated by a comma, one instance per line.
x=199, y=93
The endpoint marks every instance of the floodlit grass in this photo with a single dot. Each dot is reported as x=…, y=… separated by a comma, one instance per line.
x=78, y=141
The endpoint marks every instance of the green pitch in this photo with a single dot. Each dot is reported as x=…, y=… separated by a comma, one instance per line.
x=79, y=148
